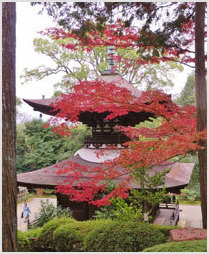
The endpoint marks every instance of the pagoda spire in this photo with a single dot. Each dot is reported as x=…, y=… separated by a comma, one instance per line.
x=110, y=55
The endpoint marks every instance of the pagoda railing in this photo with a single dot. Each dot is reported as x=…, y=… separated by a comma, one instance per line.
x=98, y=139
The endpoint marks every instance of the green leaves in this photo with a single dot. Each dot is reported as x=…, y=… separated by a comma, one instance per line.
x=39, y=147
x=48, y=212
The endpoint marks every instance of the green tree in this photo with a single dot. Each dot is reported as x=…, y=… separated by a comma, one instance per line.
x=187, y=95
x=39, y=147
x=80, y=65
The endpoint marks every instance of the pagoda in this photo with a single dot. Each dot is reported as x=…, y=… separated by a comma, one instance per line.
x=103, y=134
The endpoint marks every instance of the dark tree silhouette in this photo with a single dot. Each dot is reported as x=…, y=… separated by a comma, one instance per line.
x=9, y=189
x=201, y=101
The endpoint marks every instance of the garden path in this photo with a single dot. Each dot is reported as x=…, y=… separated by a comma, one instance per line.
x=191, y=215
x=34, y=205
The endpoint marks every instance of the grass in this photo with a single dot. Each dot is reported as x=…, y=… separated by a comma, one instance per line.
x=188, y=202
x=186, y=246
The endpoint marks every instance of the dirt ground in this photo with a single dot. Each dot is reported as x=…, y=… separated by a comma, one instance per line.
x=34, y=206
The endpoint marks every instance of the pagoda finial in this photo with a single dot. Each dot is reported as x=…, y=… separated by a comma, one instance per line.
x=110, y=54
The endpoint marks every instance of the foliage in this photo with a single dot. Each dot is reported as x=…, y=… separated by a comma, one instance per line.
x=187, y=95
x=23, y=244
x=21, y=149
x=48, y=212
x=119, y=209
x=176, y=136
x=187, y=246
x=191, y=195
x=65, y=238
x=74, y=230
x=139, y=201
x=46, y=234
x=173, y=35
x=79, y=229
x=164, y=229
x=38, y=147
x=173, y=39
x=80, y=66
x=123, y=236
x=192, y=191
x=63, y=234
x=33, y=237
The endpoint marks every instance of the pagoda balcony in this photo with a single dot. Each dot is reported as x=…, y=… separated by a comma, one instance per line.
x=99, y=139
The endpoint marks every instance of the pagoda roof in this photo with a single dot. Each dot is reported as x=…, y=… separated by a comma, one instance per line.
x=47, y=177
x=44, y=105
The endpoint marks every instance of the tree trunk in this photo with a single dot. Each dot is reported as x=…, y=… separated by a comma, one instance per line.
x=201, y=101
x=9, y=189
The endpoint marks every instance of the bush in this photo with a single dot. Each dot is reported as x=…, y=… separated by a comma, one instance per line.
x=33, y=236
x=119, y=210
x=66, y=238
x=23, y=244
x=48, y=211
x=46, y=234
x=75, y=233
x=186, y=246
x=123, y=236
x=165, y=229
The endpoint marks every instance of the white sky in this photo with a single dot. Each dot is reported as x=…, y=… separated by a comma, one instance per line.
x=29, y=23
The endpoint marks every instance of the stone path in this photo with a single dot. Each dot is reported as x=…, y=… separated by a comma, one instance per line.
x=34, y=206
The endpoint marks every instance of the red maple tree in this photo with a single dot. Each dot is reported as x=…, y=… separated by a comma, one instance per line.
x=176, y=136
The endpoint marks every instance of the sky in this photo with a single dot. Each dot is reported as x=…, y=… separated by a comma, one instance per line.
x=29, y=23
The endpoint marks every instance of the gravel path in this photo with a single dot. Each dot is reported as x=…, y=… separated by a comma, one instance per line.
x=191, y=215
x=34, y=206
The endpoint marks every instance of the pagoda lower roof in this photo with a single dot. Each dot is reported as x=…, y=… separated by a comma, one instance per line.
x=176, y=179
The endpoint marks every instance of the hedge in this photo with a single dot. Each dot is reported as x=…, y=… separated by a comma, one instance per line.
x=23, y=244
x=72, y=236
x=46, y=234
x=165, y=229
x=66, y=238
x=66, y=234
x=186, y=246
x=123, y=237
x=33, y=236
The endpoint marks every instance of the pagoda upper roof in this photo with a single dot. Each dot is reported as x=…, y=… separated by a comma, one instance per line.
x=44, y=105
x=47, y=177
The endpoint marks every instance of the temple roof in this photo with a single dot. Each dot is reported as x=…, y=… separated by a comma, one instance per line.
x=177, y=178
x=43, y=105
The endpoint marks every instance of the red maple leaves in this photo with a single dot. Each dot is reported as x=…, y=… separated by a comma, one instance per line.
x=148, y=147
x=177, y=134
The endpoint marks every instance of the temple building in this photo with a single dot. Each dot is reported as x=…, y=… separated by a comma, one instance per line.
x=103, y=134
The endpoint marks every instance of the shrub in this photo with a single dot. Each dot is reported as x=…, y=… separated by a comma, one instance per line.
x=75, y=232
x=66, y=238
x=165, y=229
x=120, y=210
x=186, y=246
x=123, y=236
x=48, y=211
x=46, y=234
x=33, y=236
x=23, y=244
